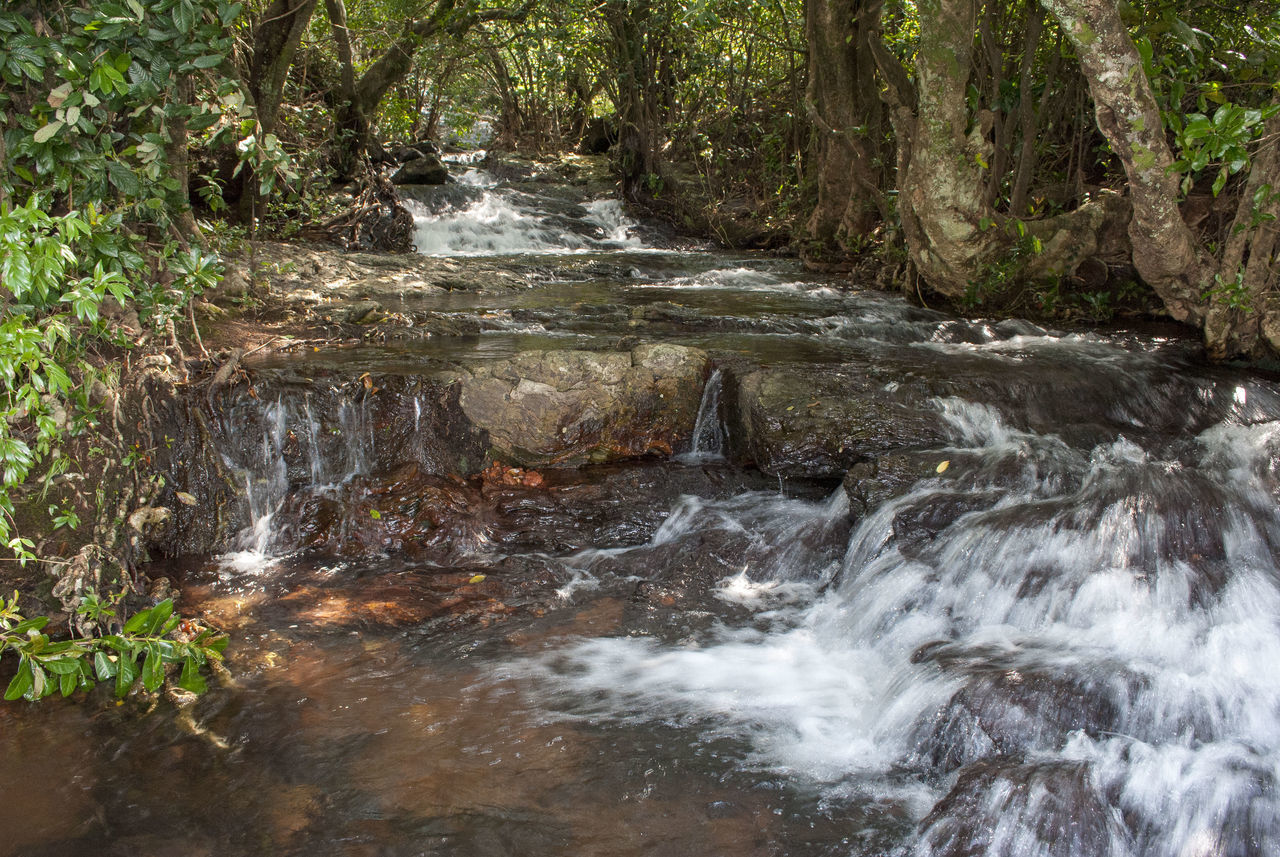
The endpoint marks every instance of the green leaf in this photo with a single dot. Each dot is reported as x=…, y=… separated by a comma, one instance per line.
x=103, y=666
x=34, y=624
x=21, y=684
x=1220, y=182
x=152, y=670
x=47, y=132
x=159, y=614
x=67, y=682
x=63, y=666
x=137, y=621
x=207, y=61
x=124, y=179
x=191, y=679
x=184, y=16
x=127, y=674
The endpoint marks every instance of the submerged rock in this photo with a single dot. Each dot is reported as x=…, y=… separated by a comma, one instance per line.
x=577, y=407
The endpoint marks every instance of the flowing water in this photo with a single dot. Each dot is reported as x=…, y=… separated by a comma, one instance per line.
x=1053, y=629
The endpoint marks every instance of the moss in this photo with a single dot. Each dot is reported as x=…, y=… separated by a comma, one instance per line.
x=1143, y=158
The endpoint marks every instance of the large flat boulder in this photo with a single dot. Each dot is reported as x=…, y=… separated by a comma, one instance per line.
x=577, y=407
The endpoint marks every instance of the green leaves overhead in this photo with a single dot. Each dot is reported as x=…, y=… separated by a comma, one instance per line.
x=1215, y=79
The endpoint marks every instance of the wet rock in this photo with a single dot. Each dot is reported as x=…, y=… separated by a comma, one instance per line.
x=1001, y=808
x=870, y=483
x=441, y=198
x=821, y=422
x=409, y=513
x=574, y=407
x=606, y=505
x=426, y=169
x=1011, y=705
x=360, y=312
x=917, y=524
x=327, y=425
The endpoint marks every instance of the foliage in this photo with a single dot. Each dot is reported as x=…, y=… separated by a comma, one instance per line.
x=97, y=104
x=136, y=655
x=1213, y=76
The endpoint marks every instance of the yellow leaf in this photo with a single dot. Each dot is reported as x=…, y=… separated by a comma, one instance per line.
x=943, y=466
x=479, y=578
x=187, y=499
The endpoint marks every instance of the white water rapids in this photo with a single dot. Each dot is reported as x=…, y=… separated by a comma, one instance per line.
x=1103, y=627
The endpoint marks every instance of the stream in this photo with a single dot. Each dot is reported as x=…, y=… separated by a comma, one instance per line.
x=1041, y=616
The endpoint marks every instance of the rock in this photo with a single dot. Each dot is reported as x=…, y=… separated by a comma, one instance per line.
x=149, y=517
x=599, y=136
x=870, y=483
x=407, y=512
x=1005, y=807
x=235, y=284
x=427, y=169
x=360, y=312
x=575, y=407
x=820, y=423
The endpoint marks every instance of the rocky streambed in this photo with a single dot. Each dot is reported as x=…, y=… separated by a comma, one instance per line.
x=577, y=539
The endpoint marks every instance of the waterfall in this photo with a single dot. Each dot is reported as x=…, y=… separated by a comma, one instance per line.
x=708, y=428
x=296, y=445
x=1088, y=640
x=479, y=217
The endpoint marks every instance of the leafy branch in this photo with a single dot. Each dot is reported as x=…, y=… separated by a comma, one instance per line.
x=149, y=641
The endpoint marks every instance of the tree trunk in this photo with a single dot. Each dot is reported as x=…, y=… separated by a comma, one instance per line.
x=275, y=44
x=1244, y=313
x=354, y=115
x=628, y=21
x=843, y=105
x=944, y=186
x=177, y=159
x=1165, y=253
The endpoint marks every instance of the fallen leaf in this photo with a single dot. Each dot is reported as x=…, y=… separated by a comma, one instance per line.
x=479, y=578
x=187, y=499
x=943, y=466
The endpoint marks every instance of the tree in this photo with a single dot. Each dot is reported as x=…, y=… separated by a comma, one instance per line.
x=843, y=104
x=358, y=98
x=1227, y=296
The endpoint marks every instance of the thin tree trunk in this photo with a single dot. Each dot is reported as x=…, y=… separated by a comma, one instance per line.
x=1165, y=253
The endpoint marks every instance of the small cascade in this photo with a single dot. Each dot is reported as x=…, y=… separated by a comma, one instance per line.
x=479, y=217
x=299, y=445
x=708, y=430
